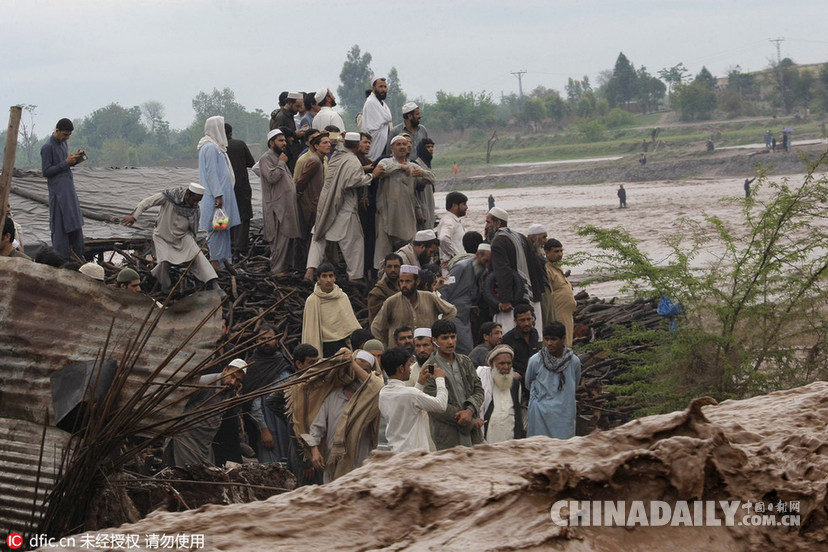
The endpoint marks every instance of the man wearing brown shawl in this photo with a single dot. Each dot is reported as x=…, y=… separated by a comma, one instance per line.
x=309, y=182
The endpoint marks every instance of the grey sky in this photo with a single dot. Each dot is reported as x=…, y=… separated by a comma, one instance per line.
x=70, y=58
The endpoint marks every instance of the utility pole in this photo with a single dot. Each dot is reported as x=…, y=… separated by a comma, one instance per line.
x=778, y=41
x=519, y=75
x=779, y=78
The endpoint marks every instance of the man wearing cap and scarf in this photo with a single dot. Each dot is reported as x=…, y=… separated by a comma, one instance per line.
x=501, y=400
x=376, y=117
x=279, y=208
x=411, y=126
x=326, y=116
x=194, y=446
x=410, y=307
x=536, y=235
x=406, y=408
x=337, y=218
x=450, y=230
x=328, y=319
x=397, y=209
x=469, y=276
x=552, y=377
x=309, y=183
x=215, y=173
x=174, y=236
x=513, y=259
x=422, y=250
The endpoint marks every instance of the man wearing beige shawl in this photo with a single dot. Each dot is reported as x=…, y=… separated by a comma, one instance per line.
x=328, y=320
x=563, y=298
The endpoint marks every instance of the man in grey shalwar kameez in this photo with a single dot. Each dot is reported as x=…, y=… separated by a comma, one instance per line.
x=464, y=292
x=552, y=377
x=174, y=236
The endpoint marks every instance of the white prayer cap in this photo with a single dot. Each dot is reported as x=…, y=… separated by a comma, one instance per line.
x=422, y=332
x=239, y=363
x=409, y=269
x=397, y=138
x=425, y=235
x=497, y=212
x=408, y=107
x=320, y=95
x=93, y=270
x=272, y=133
x=374, y=82
x=195, y=188
x=294, y=96
x=352, y=136
x=536, y=229
x=366, y=356
x=484, y=247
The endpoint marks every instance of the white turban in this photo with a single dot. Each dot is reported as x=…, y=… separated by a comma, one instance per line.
x=409, y=269
x=352, y=137
x=272, y=133
x=484, y=247
x=408, y=107
x=320, y=95
x=366, y=356
x=536, y=229
x=425, y=235
x=422, y=332
x=239, y=363
x=197, y=189
x=497, y=212
x=397, y=138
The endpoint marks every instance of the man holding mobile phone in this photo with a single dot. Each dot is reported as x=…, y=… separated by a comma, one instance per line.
x=65, y=217
x=405, y=407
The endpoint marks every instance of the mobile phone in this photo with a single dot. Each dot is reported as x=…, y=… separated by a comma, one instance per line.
x=430, y=369
x=450, y=280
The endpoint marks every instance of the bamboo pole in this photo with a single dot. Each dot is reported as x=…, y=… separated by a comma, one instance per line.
x=15, y=113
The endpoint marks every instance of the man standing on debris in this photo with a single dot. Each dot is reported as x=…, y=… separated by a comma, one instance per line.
x=194, y=446
x=552, y=377
x=65, y=217
x=410, y=307
x=240, y=161
x=279, y=209
x=174, y=236
x=563, y=298
x=328, y=320
x=376, y=117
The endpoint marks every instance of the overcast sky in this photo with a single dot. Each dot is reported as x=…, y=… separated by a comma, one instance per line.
x=72, y=57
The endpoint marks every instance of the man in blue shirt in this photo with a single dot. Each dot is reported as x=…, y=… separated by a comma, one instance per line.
x=65, y=217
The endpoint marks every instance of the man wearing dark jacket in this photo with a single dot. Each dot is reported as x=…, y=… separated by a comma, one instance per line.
x=240, y=160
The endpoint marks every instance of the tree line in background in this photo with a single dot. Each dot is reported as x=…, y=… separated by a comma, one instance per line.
x=140, y=135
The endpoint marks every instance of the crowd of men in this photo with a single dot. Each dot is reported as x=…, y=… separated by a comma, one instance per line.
x=469, y=336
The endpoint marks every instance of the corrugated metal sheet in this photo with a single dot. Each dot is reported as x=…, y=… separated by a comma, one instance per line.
x=50, y=318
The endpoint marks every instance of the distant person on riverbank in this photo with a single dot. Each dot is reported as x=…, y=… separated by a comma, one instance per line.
x=622, y=196
x=768, y=139
x=491, y=201
x=456, y=169
x=642, y=159
x=65, y=217
x=773, y=144
x=747, y=185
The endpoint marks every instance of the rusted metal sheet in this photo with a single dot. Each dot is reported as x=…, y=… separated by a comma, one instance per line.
x=50, y=318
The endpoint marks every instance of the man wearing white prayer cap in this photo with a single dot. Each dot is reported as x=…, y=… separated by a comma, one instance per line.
x=411, y=125
x=376, y=118
x=469, y=278
x=518, y=270
x=420, y=251
x=93, y=270
x=423, y=347
x=536, y=234
x=327, y=116
x=174, y=235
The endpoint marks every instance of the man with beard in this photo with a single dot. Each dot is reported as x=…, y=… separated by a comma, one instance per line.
x=174, y=235
x=450, y=231
x=326, y=116
x=240, y=161
x=513, y=262
x=491, y=335
x=501, y=400
x=563, y=303
x=536, y=234
x=406, y=407
x=337, y=218
x=376, y=117
x=410, y=307
x=459, y=424
x=283, y=117
x=423, y=348
x=279, y=213
x=523, y=339
x=404, y=339
x=267, y=366
x=552, y=378
x=411, y=125
x=309, y=185
x=469, y=276
x=328, y=319
x=425, y=189
x=420, y=252
x=397, y=207
x=386, y=286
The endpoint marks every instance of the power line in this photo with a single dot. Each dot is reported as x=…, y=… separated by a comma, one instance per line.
x=519, y=75
x=778, y=48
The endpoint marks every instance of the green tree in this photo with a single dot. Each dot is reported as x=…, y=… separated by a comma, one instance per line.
x=706, y=78
x=586, y=106
x=466, y=110
x=621, y=88
x=250, y=126
x=109, y=123
x=673, y=75
x=694, y=101
x=396, y=97
x=355, y=77
x=534, y=112
x=28, y=139
x=153, y=112
x=650, y=90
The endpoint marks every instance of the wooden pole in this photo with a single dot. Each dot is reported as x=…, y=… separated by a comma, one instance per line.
x=15, y=113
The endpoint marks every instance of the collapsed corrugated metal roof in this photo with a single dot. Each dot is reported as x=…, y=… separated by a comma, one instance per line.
x=108, y=191
x=51, y=318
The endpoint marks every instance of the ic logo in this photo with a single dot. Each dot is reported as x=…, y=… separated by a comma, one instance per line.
x=14, y=541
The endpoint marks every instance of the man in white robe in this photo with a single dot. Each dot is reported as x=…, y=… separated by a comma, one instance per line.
x=327, y=116
x=376, y=118
x=174, y=236
x=501, y=397
x=337, y=218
